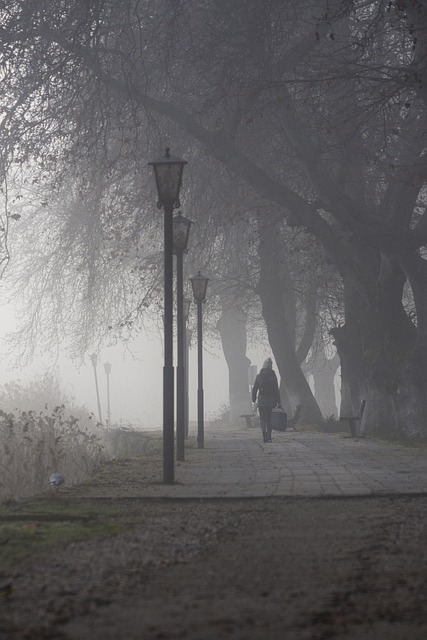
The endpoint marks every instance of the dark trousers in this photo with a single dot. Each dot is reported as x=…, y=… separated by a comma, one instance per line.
x=265, y=422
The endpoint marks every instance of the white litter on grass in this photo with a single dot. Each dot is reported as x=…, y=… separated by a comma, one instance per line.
x=56, y=479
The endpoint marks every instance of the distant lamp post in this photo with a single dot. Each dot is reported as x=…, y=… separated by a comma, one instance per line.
x=168, y=175
x=181, y=233
x=107, y=369
x=94, y=360
x=186, y=308
x=199, y=284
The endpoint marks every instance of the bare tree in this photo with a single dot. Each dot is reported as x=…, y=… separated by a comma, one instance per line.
x=319, y=108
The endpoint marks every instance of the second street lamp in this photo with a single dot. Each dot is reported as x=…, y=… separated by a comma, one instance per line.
x=187, y=339
x=199, y=284
x=181, y=232
x=94, y=360
x=107, y=369
x=168, y=174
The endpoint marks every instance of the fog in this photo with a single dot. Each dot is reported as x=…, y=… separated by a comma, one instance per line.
x=135, y=378
x=314, y=254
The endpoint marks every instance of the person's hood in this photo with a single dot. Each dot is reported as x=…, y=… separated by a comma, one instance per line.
x=267, y=370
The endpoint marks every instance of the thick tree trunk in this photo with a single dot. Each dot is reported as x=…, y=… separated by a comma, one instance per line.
x=323, y=373
x=382, y=362
x=348, y=340
x=407, y=380
x=282, y=341
x=393, y=367
x=396, y=397
x=232, y=329
x=297, y=387
x=286, y=403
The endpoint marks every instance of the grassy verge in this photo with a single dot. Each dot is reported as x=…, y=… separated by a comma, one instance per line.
x=38, y=525
x=131, y=443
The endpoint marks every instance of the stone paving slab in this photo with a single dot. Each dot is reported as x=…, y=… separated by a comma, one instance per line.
x=237, y=463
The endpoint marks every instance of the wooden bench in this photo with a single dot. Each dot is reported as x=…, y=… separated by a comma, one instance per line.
x=353, y=419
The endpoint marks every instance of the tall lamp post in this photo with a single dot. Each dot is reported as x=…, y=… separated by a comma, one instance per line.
x=181, y=233
x=187, y=338
x=168, y=174
x=107, y=369
x=199, y=284
x=94, y=360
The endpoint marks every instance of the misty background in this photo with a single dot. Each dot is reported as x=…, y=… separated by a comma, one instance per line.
x=303, y=133
x=135, y=379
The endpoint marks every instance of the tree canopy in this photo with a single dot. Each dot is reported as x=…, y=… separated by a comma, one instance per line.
x=316, y=109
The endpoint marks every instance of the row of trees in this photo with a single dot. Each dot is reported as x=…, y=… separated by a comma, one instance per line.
x=305, y=130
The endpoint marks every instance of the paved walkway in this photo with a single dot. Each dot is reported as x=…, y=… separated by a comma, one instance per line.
x=238, y=464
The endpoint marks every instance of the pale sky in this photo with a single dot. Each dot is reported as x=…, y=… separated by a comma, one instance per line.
x=135, y=382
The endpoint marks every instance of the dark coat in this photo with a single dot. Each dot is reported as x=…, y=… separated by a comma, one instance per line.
x=266, y=399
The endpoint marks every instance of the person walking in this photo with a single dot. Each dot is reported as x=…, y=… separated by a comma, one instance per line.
x=266, y=395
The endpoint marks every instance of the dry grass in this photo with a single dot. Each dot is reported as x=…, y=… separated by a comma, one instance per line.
x=35, y=444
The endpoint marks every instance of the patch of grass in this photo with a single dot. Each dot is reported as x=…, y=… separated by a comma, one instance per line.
x=309, y=428
x=131, y=443
x=33, y=445
x=37, y=526
x=410, y=444
x=332, y=425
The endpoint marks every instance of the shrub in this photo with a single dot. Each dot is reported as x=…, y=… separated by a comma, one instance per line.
x=38, y=438
x=221, y=418
x=43, y=393
x=33, y=445
x=124, y=441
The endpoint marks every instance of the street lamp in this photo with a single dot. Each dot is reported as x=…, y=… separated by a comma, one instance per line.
x=187, y=338
x=168, y=174
x=107, y=369
x=199, y=284
x=181, y=233
x=94, y=360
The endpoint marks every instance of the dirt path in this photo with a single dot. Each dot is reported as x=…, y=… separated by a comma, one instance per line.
x=261, y=569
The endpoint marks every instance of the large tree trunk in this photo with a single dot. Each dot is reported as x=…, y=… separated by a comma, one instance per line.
x=389, y=342
x=396, y=396
x=348, y=341
x=281, y=335
x=323, y=372
x=297, y=388
x=232, y=329
x=405, y=350
x=381, y=360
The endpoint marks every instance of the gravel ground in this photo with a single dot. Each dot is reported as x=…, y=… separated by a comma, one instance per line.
x=253, y=569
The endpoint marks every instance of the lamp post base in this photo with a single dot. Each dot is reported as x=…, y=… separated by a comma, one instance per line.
x=168, y=426
x=200, y=420
x=180, y=414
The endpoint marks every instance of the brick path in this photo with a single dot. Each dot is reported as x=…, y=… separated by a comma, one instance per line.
x=237, y=464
